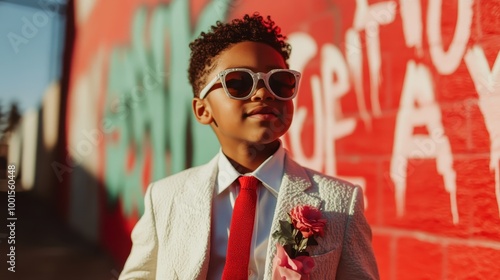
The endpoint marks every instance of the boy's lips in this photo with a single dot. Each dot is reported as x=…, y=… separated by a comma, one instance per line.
x=264, y=113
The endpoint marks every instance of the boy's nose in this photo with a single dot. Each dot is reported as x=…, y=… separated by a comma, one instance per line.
x=262, y=92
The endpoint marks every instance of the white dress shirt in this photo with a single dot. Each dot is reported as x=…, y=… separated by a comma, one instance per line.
x=270, y=173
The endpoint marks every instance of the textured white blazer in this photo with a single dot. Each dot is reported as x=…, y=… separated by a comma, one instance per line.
x=172, y=239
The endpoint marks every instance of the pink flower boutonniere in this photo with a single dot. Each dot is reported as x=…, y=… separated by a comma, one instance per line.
x=292, y=261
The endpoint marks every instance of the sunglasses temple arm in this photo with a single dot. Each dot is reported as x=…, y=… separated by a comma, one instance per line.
x=207, y=88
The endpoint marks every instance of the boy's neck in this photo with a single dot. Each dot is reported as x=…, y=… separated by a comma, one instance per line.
x=246, y=158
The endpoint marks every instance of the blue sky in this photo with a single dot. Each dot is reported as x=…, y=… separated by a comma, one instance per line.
x=25, y=75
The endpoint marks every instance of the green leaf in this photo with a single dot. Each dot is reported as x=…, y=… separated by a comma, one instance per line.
x=282, y=240
x=297, y=237
x=285, y=228
x=302, y=245
x=289, y=240
x=277, y=234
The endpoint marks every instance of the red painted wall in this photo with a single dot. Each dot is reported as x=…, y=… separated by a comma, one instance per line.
x=401, y=97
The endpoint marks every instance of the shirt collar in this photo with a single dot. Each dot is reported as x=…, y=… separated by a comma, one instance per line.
x=270, y=172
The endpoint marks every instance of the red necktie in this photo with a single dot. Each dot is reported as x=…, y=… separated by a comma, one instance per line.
x=240, y=232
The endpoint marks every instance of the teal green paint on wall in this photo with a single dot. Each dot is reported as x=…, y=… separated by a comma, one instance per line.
x=148, y=101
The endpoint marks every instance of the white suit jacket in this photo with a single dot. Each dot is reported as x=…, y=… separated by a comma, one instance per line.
x=172, y=239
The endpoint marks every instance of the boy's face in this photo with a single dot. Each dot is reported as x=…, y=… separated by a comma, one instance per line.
x=262, y=118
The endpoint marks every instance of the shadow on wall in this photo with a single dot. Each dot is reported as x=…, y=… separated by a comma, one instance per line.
x=46, y=248
x=41, y=243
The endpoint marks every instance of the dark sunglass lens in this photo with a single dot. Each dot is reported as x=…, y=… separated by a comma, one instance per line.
x=239, y=83
x=283, y=84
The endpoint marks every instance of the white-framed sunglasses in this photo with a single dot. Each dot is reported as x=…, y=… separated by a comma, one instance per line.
x=240, y=83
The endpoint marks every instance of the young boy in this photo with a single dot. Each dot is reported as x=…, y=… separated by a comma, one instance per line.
x=243, y=89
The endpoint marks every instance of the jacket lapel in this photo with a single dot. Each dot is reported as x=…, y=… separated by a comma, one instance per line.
x=197, y=203
x=293, y=192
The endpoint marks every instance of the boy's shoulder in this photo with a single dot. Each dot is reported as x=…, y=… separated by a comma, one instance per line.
x=339, y=194
x=322, y=179
x=181, y=175
x=197, y=173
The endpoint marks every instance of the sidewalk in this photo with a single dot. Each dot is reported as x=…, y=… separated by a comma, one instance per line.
x=47, y=249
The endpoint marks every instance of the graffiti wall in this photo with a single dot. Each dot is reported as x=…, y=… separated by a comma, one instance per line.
x=400, y=97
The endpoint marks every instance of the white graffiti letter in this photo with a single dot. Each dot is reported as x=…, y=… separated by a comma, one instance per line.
x=369, y=18
x=411, y=15
x=333, y=65
x=354, y=58
x=446, y=62
x=305, y=48
x=487, y=83
x=418, y=89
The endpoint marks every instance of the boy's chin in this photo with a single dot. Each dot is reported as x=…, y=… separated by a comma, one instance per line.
x=266, y=141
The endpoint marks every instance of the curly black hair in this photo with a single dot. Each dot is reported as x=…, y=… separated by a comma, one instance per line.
x=208, y=46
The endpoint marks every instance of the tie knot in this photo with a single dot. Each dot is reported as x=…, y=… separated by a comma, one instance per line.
x=249, y=183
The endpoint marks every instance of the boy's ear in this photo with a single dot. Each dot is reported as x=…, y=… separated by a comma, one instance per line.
x=201, y=111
